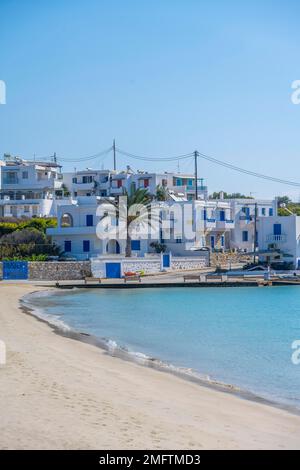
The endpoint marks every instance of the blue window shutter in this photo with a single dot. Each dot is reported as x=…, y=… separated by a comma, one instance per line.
x=86, y=246
x=222, y=216
x=204, y=214
x=270, y=211
x=68, y=246
x=136, y=245
x=245, y=236
x=89, y=220
x=277, y=229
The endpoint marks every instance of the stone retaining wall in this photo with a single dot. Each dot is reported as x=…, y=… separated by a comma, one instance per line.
x=58, y=271
x=147, y=265
x=178, y=263
x=223, y=259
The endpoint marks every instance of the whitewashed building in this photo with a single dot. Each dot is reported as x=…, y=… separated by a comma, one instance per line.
x=243, y=214
x=29, y=188
x=105, y=183
x=279, y=240
x=186, y=227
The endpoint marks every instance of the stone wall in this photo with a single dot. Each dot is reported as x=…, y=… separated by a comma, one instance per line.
x=189, y=263
x=149, y=266
x=224, y=259
x=59, y=271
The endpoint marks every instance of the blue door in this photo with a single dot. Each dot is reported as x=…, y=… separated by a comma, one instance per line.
x=15, y=270
x=212, y=242
x=277, y=229
x=113, y=270
x=166, y=261
x=222, y=216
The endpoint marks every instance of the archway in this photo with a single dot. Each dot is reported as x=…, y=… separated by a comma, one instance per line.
x=113, y=247
x=66, y=220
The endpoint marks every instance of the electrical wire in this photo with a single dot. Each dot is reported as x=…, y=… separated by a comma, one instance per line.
x=83, y=159
x=248, y=172
x=153, y=159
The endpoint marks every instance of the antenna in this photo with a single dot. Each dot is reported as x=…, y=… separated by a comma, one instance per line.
x=114, y=151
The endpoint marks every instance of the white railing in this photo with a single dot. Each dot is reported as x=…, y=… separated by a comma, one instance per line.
x=276, y=238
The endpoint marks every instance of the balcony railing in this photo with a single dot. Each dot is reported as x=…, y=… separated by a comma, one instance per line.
x=276, y=238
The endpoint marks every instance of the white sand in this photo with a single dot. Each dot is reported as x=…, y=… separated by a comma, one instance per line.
x=61, y=393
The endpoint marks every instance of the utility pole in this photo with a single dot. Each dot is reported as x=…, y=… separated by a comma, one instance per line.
x=54, y=157
x=196, y=153
x=255, y=230
x=114, y=152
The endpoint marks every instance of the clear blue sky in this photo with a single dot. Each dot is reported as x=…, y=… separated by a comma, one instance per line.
x=163, y=77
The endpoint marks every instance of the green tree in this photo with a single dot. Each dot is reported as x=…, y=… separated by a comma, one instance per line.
x=161, y=193
x=136, y=199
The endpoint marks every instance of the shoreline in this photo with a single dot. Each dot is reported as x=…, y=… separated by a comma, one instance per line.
x=147, y=361
x=66, y=394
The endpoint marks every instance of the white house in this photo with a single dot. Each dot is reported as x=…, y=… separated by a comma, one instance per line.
x=185, y=227
x=279, y=239
x=243, y=213
x=29, y=188
x=77, y=236
x=105, y=183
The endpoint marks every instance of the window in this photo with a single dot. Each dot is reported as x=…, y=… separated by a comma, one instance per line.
x=212, y=241
x=26, y=208
x=136, y=245
x=74, y=180
x=271, y=211
x=119, y=183
x=222, y=240
x=25, y=175
x=89, y=220
x=178, y=240
x=222, y=216
x=190, y=183
x=277, y=229
x=204, y=214
x=68, y=246
x=146, y=183
x=263, y=211
x=86, y=246
x=87, y=179
x=245, y=235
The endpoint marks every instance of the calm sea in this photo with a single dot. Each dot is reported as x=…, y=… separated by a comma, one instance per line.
x=239, y=336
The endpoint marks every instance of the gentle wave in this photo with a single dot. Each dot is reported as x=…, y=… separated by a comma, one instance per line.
x=115, y=349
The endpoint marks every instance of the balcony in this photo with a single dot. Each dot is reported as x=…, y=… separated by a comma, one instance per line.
x=226, y=224
x=83, y=186
x=209, y=223
x=118, y=191
x=276, y=238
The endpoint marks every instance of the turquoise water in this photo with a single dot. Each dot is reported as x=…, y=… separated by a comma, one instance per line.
x=240, y=336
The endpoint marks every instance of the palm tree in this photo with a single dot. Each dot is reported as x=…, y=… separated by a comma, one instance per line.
x=161, y=193
x=136, y=207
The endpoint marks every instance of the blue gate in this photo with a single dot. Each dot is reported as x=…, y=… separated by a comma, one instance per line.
x=113, y=270
x=166, y=261
x=15, y=270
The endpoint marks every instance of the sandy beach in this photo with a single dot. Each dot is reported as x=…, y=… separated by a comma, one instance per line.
x=59, y=393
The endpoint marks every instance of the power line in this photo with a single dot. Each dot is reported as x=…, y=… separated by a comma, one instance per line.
x=153, y=159
x=83, y=159
x=248, y=172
